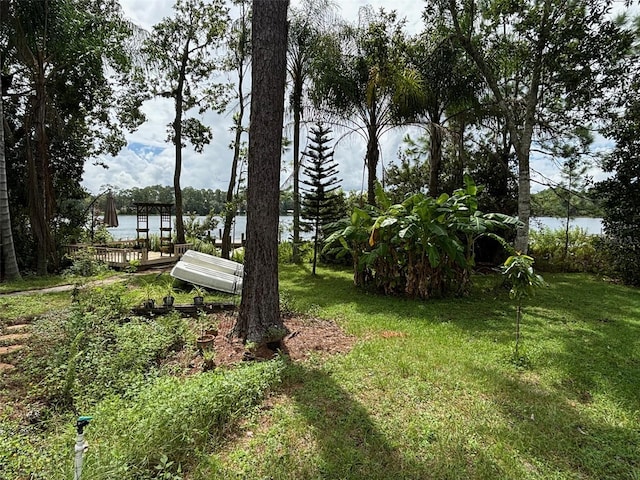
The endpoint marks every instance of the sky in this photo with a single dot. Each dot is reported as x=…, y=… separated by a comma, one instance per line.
x=148, y=159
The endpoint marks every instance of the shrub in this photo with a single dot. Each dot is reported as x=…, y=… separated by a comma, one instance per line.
x=85, y=264
x=584, y=252
x=422, y=247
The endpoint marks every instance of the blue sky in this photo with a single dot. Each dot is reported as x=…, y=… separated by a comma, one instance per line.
x=148, y=159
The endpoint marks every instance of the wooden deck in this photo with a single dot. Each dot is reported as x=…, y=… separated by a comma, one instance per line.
x=124, y=256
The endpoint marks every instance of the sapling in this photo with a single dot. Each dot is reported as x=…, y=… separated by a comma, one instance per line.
x=518, y=272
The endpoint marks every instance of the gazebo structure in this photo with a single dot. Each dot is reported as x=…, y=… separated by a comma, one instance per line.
x=123, y=253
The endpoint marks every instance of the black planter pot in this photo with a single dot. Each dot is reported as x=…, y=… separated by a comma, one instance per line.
x=168, y=301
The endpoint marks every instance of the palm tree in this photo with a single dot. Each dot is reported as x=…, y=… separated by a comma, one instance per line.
x=362, y=82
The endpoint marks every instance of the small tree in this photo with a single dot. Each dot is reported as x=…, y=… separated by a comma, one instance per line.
x=182, y=50
x=518, y=272
x=319, y=202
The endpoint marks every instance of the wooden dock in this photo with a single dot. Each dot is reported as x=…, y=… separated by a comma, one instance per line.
x=122, y=257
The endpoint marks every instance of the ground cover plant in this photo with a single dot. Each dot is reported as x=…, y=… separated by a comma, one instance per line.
x=428, y=391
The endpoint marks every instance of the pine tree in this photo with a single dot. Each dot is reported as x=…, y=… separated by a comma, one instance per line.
x=319, y=200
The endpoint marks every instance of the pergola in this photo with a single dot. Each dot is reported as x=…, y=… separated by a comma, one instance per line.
x=143, y=210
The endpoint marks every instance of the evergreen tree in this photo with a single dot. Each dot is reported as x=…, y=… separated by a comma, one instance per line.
x=319, y=200
x=621, y=192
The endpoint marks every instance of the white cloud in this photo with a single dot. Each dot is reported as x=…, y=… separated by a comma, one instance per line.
x=149, y=159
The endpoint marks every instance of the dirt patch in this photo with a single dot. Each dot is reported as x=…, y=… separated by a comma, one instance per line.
x=307, y=336
x=10, y=349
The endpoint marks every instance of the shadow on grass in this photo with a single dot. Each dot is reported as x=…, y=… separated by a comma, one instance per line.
x=347, y=440
x=596, y=323
x=551, y=435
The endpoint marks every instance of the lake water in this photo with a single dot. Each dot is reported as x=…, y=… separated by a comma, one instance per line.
x=592, y=226
x=127, y=227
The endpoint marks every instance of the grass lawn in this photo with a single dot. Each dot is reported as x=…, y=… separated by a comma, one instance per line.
x=430, y=391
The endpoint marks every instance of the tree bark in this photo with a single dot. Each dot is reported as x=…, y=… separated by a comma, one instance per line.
x=259, y=314
x=373, y=156
x=177, y=140
x=297, y=115
x=435, y=158
x=39, y=179
x=9, y=260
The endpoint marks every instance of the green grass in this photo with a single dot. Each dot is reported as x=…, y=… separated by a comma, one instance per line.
x=430, y=391
x=445, y=400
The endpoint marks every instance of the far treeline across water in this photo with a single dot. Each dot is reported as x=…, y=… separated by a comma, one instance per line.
x=546, y=203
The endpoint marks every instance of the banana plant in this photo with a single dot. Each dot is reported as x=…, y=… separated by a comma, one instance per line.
x=422, y=247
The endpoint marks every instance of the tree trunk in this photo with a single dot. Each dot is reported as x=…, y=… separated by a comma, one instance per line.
x=230, y=207
x=524, y=188
x=39, y=178
x=259, y=314
x=297, y=114
x=457, y=176
x=9, y=260
x=435, y=158
x=373, y=155
x=177, y=141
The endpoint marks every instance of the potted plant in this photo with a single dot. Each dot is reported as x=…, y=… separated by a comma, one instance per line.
x=169, y=298
x=148, y=302
x=198, y=295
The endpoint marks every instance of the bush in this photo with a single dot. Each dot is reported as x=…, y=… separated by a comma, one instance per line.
x=624, y=257
x=85, y=264
x=285, y=252
x=422, y=247
x=584, y=252
x=173, y=420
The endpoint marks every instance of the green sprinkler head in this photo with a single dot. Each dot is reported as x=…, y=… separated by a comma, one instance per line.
x=81, y=423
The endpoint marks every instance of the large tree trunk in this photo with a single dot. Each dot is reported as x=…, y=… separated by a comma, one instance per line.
x=9, y=260
x=39, y=178
x=259, y=315
x=524, y=196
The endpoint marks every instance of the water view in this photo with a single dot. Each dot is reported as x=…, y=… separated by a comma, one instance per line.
x=127, y=227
